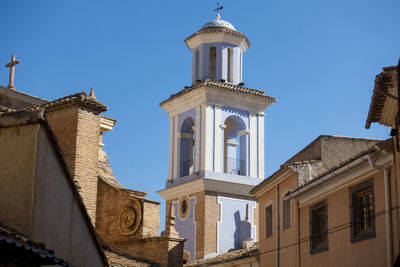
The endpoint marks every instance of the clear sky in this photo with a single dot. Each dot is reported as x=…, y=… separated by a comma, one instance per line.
x=319, y=58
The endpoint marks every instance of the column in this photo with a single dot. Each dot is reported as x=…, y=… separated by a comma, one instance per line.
x=218, y=147
x=171, y=148
x=261, y=152
x=253, y=144
x=176, y=149
x=207, y=143
x=197, y=157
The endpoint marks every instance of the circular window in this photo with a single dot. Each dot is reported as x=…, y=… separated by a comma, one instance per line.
x=183, y=207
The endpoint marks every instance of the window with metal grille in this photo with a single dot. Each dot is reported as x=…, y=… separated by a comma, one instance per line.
x=268, y=221
x=362, y=211
x=318, y=227
x=286, y=214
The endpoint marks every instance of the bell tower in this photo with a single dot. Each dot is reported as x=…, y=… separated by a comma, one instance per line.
x=216, y=149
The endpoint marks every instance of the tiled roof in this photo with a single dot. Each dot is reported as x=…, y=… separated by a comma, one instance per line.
x=219, y=30
x=335, y=168
x=6, y=109
x=226, y=257
x=220, y=86
x=81, y=98
x=11, y=243
x=383, y=82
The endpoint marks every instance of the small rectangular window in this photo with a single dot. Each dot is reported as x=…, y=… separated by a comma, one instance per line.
x=286, y=214
x=318, y=227
x=268, y=221
x=362, y=211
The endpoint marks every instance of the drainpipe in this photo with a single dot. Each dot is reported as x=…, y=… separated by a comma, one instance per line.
x=388, y=213
x=277, y=226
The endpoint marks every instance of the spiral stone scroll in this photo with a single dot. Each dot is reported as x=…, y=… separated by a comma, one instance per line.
x=130, y=218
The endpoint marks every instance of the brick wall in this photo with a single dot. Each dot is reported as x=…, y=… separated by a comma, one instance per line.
x=151, y=218
x=77, y=129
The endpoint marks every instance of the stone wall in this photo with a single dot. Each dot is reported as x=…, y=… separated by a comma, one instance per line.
x=77, y=129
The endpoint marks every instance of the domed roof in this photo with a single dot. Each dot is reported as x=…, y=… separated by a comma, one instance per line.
x=219, y=23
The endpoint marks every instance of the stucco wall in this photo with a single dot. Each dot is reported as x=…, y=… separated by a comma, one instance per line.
x=58, y=220
x=17, y=167
x=341, y=251
x=288, y=236
x=186, y=227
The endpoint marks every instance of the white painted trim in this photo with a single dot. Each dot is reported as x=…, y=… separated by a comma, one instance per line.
x=253, y=145
x=203, y=184
x=261, y=146
x=176, y=149
x=232, y=143
x=209, y=138
x=217, y=37
x=171, y=150
x=197, y=140
x=218, y=146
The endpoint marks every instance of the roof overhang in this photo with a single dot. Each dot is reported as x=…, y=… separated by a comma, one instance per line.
x=383, y=107
x=217, y=93
x=218, y=35
x=204, y=184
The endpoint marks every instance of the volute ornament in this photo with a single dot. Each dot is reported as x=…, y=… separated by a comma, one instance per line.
x=130, y=218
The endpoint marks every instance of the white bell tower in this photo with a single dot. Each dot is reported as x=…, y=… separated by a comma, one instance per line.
x=216, y=151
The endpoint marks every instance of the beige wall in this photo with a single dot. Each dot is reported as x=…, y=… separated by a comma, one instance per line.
x=288, y=236
x=17, y=167
x=58, y=220
x=341, y=251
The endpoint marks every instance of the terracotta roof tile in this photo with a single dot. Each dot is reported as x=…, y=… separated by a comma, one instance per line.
x=220, y=86
x=218, y=30
x=226, y=257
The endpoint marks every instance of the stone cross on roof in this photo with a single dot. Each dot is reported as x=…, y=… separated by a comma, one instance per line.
x=11, y=65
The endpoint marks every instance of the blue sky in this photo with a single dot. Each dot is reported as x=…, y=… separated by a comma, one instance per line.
x=319, y=58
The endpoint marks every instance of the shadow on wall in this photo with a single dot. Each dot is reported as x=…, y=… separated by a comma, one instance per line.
x=242, y=232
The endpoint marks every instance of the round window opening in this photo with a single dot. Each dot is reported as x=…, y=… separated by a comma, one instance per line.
x=184, y=207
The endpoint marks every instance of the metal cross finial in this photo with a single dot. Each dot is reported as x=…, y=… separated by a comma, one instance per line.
x=11, y=65
x=218, y=9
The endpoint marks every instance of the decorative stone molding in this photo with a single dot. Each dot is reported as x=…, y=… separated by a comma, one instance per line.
x=243, y=132
x=130, y=218
x=261, y=114
x=183, y=207
x=232, y=143
x=222, y=126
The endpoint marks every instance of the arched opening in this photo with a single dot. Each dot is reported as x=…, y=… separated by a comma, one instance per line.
x=197, y=65
x=213, y=62
x=235, y=146
x=230, y=65
x=186, y=146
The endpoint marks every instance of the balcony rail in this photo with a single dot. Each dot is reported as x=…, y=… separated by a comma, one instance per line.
x=187, y=168
x=234, y=166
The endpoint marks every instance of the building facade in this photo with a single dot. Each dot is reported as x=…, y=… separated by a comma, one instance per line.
x=216, y=151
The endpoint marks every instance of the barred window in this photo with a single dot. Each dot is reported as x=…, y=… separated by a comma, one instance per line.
x=318, y=227
x=362, y=211
x=268, y=221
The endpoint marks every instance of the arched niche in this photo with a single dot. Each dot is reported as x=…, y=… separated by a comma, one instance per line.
x=235, y=146
x=186, y=147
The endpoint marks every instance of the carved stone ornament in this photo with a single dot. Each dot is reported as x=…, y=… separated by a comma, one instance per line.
x=130, y=218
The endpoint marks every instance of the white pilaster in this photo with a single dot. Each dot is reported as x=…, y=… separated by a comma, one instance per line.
x=208, y=144
x=197, y=157
x=218, y=147
x=261, y=155
x=176, y=149
x=253, y=144
x=171, y=146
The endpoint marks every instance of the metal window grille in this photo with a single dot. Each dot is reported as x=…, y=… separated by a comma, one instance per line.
x=362, y=211
x=318, y=227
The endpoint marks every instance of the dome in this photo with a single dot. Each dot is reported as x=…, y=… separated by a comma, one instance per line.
x=219, y=23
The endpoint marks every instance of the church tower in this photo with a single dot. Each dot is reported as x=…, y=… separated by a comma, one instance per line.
x=216, y=148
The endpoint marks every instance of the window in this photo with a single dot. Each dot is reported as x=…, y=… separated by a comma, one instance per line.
x=230, y=64
x=362, y=211
x=286, y=214
x=197, y=65
x=318, y=227
x=268, y=221
x=213, y=61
